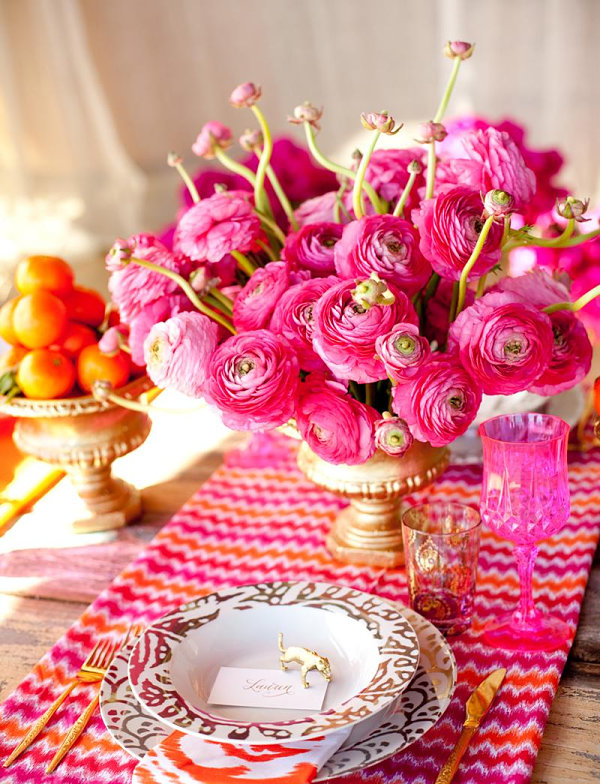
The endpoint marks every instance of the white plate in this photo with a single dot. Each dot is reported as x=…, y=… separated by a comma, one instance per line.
x=372, y=648
x=419, y=707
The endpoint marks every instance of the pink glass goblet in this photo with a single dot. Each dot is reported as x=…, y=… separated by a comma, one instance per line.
x=525, y=498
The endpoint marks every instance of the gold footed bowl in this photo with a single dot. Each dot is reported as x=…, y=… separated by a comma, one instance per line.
x=368, y=531
x=84, y=436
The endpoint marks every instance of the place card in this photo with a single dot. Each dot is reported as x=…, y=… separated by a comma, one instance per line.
x=252, y=688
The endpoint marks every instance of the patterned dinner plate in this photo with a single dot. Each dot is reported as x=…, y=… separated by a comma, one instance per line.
x=420, y=706
x=372, y=648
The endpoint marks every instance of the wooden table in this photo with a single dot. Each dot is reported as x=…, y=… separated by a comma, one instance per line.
x=44, y=590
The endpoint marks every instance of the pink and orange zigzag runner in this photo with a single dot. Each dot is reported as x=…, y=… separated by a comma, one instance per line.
x=249, y=524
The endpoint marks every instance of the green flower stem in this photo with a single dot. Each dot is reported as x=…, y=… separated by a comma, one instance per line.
x=235, y=166
x=399, y=208
x=462, y=284
x=354, y=390
x=244, y=263
x=337, y=169
x=268, y=250
x=564, y=240
x=584, y=300
x=369, y=393
x=261, y=199
x=439, y=115
x=481, y=286
x=453, y=302
x=431, y=164
x=215, y=304
x=357, y=203
x=283, y=199
x=431, y=288
x=188, y=182
x=222, y=298
x=272, y=227
x=188, y=290
x=506, y=231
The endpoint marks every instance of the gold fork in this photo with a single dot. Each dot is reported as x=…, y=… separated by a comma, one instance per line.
x=92, y=670
x=73, y=734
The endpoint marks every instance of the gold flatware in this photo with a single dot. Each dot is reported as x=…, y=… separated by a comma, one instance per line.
x=92, y=670
x=477, y=706
x=81, y=723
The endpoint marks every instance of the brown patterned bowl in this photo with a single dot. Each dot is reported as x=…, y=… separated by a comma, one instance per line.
x=84, y=436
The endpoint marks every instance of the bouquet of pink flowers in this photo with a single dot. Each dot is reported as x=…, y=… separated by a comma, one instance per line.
x=367, y=307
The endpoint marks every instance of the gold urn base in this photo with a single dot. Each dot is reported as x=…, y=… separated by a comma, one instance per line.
x=368, y=531
x=84, y=436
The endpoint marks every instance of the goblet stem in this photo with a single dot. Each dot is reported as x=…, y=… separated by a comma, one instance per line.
x=526, y=614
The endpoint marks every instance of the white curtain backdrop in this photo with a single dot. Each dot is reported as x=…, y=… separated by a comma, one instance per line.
x=93, y=93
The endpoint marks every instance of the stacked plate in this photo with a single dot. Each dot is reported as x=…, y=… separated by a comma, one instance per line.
x=393, y=672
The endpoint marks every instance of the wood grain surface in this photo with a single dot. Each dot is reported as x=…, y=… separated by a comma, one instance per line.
x=44, y=589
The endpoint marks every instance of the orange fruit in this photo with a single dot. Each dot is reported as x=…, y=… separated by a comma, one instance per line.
x=45, y=374
x=85, y=305
x=44, y=272
x=597, y=395
x=75, y=338
x=7, y=332
x=93, y=365
x=11, y=359
x=39, y=319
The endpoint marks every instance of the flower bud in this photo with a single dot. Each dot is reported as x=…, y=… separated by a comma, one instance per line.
x=251, y=139
x=431, y=132
x=119, y=255
x=572, y=208
x=392, y=435
x=213, y=136
x=459, y=49
x=414, y=167
x=245, y=95
x=380, y=121
x=372, y=291
x=174, y=159
x=498, y=203
x=308, y=113
x=110, y=343
x=201, y=282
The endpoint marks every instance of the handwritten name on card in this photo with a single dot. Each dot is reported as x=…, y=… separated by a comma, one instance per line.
x=250, y=688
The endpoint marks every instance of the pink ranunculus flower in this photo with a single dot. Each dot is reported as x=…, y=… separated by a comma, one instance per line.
x=214, y=135
x=388, y=173
x=293, y=318
x=441, y=401
x=255, y=303
x=335, y=426
x=571, y=350
x=503, y=341
x=437, y=312
x=253, y=380
x=393, y=436
x=449, y=225
x=345, y=332
x=133, y=287
x=218, y=225
x=178, y=352
x=319, y=209
x=151, y=314
x=386, y=245
x=312, y=247
x=402, y=351
x=490, y=159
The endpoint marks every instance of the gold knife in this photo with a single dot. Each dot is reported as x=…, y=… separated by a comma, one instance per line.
x=477, y=706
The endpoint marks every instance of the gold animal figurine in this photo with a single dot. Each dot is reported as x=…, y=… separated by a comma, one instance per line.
x=309, y=660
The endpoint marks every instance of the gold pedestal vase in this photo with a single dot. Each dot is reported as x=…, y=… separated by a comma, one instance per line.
x=84, y=436
x=368, y=530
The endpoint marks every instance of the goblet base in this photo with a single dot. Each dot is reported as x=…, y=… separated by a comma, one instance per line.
x=543, y=633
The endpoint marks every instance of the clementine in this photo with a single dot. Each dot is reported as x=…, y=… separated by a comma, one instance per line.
x=45, y=374
x=75, y=338
x=7, y=332
x=85, y=305
x=93, y=365
x=39, y=319
x=44, y=272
